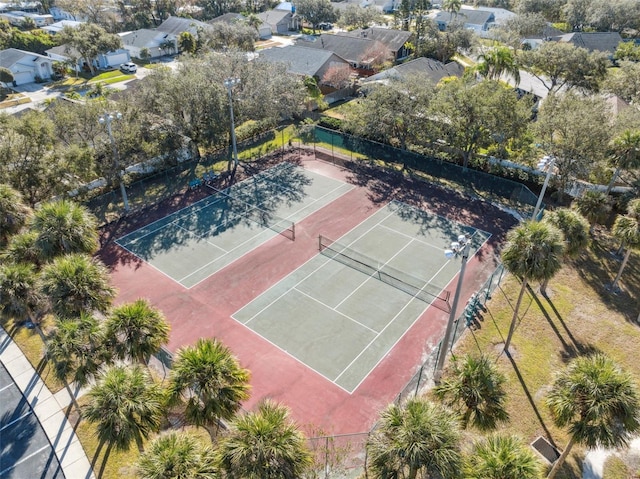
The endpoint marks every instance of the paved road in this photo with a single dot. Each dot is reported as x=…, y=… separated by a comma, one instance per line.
x=25, y=450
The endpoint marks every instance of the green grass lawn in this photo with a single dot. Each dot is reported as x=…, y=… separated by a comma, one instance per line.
x=579, y=316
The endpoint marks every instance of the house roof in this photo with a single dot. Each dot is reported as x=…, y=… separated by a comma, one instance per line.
x=64, y=51
x=11, y=56
x=393, y=39
x=433, y=69
x=273, y=17
x=616, y=104
x=59, y=26
x=142, y=38
x=500, y=14
x=593, y=41
x=177, y=25
x=300, y=60
x=471, y=17
x=352, y=49
x=228, y=18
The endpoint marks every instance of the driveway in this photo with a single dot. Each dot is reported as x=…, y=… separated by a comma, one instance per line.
x=25, y=450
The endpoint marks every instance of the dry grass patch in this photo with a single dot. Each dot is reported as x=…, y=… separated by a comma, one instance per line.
x=579, y=316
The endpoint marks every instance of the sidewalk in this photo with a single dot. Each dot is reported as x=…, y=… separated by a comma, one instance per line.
x=48, y=408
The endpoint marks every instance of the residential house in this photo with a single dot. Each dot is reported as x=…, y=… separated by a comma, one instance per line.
x=303, y=61
x=280, y=22
x=534, y=41
x=26, y=67
x=57, y=27
x=31, y=7
x=264, y=30
x=177, y=25
x=397, y=41
x=605, y=42
x=60, y=14
x=104, y=61
x=17, y=18
x=480, y=21
x=360, y=52
x=157, y=43
x=428, y=68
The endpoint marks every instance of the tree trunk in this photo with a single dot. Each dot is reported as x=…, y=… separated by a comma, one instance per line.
x=543, y=287
x=512, y=327
x=558, y=464
x=413, y=472
x=613, y=180
x=614, y=285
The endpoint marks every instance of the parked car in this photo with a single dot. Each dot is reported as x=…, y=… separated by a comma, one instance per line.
x=325, y=26
x=129, y=67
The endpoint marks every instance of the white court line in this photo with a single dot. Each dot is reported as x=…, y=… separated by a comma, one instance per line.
x=209, y=198
x=295, y=358
x=28, y=413
x=371, y=276
x=26, y=458
x=256, y=235
x=408, y=327
x=335, y=310
x=412, y=237
x=202, y=237
x=308, y=275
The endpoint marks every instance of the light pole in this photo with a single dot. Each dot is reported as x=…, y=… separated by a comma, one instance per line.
x=107, y=119
x=230, y=83
x=546, y=162
x=462, y=246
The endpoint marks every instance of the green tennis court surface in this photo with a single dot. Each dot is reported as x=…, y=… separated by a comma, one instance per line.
x=192, y=244
x=345, y=309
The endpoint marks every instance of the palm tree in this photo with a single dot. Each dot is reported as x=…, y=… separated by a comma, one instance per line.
x=475, y=389
x=497, y=61
x=212, y=380
x=575, y=229
x=598, y=403
x=14, y=213
x=452, y=6
x=76, y=347
x=20, y=297
x=126, y=405
x=625, y=154
x=627, y=229
x=177, y=456
x=77, y=283
x=594, y=206
x=533, y=252
x=420, y=437
x=137, y=330
x=633, y=211
x=65, y=227
x=22, y=249
x=265, y=444
x=501, y=457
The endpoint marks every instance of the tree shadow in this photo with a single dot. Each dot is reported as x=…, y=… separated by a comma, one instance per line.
x=598, y=267
x=530, y=399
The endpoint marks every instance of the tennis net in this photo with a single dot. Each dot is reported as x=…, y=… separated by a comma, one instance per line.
x=411, y=285
x=264, y=218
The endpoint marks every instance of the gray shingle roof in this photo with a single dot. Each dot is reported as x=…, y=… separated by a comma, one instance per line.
x=393, y=39
x=11, y=56
x=433, y=69
x=300, y=60
x=177, y=25
x=593, y=41
x=273, y=17
x=141, y=38
x=472, y=17
x=352, y=49
x=228, y=18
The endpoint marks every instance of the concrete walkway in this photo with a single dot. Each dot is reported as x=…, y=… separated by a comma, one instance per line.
x=48, y=408
x=593, y=464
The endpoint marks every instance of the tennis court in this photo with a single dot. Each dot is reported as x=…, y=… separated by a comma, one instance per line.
x=341, y=312
x=192, y=244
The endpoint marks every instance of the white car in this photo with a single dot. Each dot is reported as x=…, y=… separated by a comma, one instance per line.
x=129, y=67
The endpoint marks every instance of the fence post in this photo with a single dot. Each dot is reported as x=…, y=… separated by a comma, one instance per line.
x=415, y=394
x=326, y=457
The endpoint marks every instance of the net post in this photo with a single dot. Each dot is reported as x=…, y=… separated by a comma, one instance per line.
x=319, y=242
x=293, y=231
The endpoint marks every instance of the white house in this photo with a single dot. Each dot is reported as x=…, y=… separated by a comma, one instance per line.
x=59, y=26
x=17, y=18
x=26, y=67
x=156, y=42
x=104, y=61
